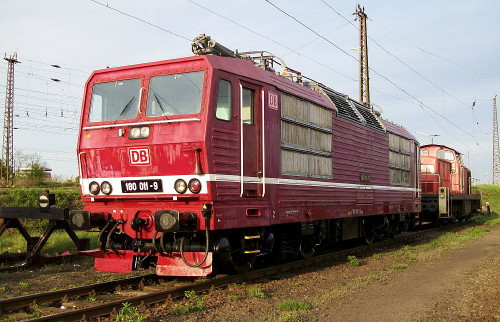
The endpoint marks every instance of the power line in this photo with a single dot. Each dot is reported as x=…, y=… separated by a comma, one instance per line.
x=422, y=104
x=312, y=30
x=141, y=20
x=272, y=40
x=45, y=93
x=49, y=71
x=409, y=67
x=425, y=51
x=56, y=66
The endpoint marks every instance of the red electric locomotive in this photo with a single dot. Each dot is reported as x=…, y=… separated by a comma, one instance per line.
x=210, y=161
x=446, y=185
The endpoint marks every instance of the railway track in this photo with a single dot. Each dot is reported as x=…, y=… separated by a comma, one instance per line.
x=151, y=289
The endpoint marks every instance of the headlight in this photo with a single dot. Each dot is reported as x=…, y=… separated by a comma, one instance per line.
x=94, y=188
x=194, y=185
x=145, y=131
x=46, y=199
x=180, y=186
x=139, y=132
x=135, y=132
x=106, y=187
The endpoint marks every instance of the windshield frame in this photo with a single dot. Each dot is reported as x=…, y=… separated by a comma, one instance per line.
x=203, y=96
x=145, y=72
x=134, y=103
x=103, y=78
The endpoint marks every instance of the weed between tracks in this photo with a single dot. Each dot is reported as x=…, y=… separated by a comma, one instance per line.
x=353, y=261
x=128, y=313
x=195, y=303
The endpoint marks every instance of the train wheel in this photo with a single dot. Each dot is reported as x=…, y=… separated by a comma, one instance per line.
x=369, y=232
x=370, y=237
x=242, y=263
x=307, y=248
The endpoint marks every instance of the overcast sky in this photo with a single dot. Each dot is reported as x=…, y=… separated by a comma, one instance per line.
x=430, y=60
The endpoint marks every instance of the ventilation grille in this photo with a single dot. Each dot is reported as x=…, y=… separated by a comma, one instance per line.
x=345, y=109
x=369, y=116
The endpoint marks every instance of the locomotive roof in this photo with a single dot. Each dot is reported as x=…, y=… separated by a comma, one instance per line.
x=247, y=68
x=398, y=129
x=241, y=67
x=440, y=146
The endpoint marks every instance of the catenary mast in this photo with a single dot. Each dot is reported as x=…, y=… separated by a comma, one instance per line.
x=8, y=127
x=496, y=147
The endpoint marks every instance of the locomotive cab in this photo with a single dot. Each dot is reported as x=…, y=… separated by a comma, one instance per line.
x=142, y=159
x=446, y=185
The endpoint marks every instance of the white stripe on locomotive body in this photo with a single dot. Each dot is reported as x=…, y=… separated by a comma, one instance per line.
x=168, y=184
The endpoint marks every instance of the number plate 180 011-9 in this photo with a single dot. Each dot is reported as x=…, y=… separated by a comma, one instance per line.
x=140, y=186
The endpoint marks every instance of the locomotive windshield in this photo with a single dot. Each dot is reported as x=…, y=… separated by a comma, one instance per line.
x=445, y=155
x=175, y=94
x=118, y=100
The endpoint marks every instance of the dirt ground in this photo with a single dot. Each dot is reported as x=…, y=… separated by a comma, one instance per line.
x=417, y=282
x=461, y=283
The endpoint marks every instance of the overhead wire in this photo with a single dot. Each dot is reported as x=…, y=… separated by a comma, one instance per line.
x=425, y=51
x=376, y=72
x=408, y=66
x=141, y=20
x=271, y=40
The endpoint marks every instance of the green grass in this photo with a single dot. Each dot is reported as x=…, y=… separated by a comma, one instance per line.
x=398, y=267
x=257, y=292
x=291, y=305
x=24, y=284
x=353, y=261
x=490, y=193
x=195, y=303
x=129, y=313
x=367, y=278
x=233, y=298
x=59, y=242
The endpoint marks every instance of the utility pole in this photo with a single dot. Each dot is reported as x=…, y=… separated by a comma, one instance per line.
x=8, y=125
x=364, y=79
x=496, y=147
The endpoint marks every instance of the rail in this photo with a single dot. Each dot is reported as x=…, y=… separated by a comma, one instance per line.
x=95, y=310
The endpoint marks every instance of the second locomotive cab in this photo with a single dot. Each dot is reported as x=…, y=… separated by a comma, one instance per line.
x=447, y=191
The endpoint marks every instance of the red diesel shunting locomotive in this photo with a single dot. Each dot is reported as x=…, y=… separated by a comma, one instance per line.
x=446, y=185
x=210, y=161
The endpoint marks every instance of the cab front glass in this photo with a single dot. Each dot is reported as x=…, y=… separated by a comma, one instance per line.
x=175, y=94
x=167, y=95
x=113, y=101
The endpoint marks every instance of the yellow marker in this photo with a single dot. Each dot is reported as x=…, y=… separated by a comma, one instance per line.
x=88, y=136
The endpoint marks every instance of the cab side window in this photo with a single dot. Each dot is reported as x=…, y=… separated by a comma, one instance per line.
x=247, y=106
x=223, y=109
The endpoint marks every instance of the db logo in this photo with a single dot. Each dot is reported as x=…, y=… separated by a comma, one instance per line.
x=139, y=156
x=273, y=100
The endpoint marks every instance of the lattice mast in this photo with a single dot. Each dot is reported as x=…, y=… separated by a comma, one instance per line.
x=8, y=125
x=496, y=146
x=364, y=79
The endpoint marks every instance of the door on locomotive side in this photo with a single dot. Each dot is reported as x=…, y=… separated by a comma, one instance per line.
x=251, y=172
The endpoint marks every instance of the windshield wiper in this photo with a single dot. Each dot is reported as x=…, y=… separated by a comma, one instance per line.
x=159, y=103
x=158, y=98
x=125, y=109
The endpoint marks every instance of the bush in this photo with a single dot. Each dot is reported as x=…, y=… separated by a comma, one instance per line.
x=66, y=197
